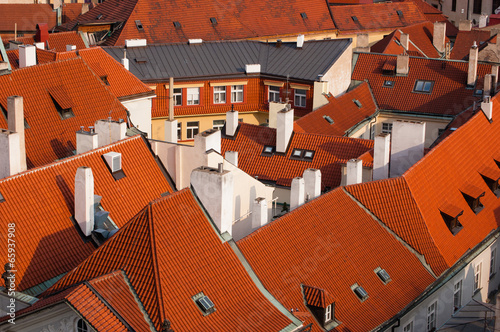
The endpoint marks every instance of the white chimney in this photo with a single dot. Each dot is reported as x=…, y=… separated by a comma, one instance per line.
x=232, y=157
x=40, y=46
x=284, y=129
x=381, y=155
x=439, y=36
x=84, y=199
x=300, y=41
x=27, y=56
x=472, y=71
x=297, y=193
x=402, y=64
x=354, y=171
x=195, y=41
x=405, y=40
x=252, y=68
x=487, y=107
x=171, y=131
x=259, y=212
x=110, y=131
x=483, y=21
x=274, y=108
x=208, y=140
x=86, y=140
x=113, y=160
x=215, y=190
x=135, y=42
x=70, y=48
x=9, y=150
x=312, y=183
x=15, y=110
x=407, y=145
x=231, y=122
x=125, y=62
x=488, y=80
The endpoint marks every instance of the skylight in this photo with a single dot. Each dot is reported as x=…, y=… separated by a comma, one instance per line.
x=360, y=292
x=357, y=102
x=300, y=154
x=423, y=86
x=213, y=20
x=204, y=303
x=297, y=153
x=303, y=15
x=388, y=84
x=383, y=275
x=139, y=26
x=177, y=25
x=400, y=13
x=308, y=154
x=268, y=151
x=327, y=118
x=354, y=18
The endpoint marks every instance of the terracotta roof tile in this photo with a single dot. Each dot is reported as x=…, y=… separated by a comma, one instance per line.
x=339, y=246
x=167, y=253
x=464, y=42
x=449, y=94
x=58, y=41
x=330, y=152
x=316, y=297
x=27, y=16
x=42, y=216
x=70, y=11
x=433, y=14
x=342, y=110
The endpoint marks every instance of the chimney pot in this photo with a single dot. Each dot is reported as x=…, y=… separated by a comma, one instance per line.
x=259, y=212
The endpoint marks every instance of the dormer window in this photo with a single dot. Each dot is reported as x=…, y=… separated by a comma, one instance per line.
x=360, y=292
x=62, y=101
x=423, y=86
x=472, y=196
x=328, y=313
x=303, y=15
x=491, y=177
x=321, y=306
x=450, y=214
x=177, y=25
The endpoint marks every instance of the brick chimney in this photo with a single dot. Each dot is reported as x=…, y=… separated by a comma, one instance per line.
x=27, y=56
x=42, y=33
x=312, y=183
x=381, y=155
x=472, y=71
x=84, y=199
x=284, y=129
x=487, y=86
x=15, y=110
x=171, y=123
x=110, y=131
x=407, y=145
x=231, y=122
x=465, y=25
x=403, y=64
x=354, y=171
x=9, y=150
x=405, y=41
x=297, y=193
x=259, y=212
x=86, y=140
x=439, y=36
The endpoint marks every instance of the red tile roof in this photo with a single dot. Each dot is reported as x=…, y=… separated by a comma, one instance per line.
x=449, y=93
x=464, y=42
x=42, y=216
x=342, y=110
x=58, y=41
x=330, y=153
x=48, y=137
x=377, y=16
x=70, y=11
x=316, y=297
x=27, y=16
x=340, y=245
x=159, y=251
x=435, y=15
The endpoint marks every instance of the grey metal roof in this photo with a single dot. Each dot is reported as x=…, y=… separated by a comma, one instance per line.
x=209, y=59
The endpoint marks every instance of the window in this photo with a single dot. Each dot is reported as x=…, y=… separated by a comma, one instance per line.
x=236, y=93
x=328, y=118
x=177, y=25
x=388, y=84
x=213, y=20
x=81, y=326
x=268, y=150
x=192, y=129
x=357, y=103
x=179, y=131
x=476, y=9
x=477, y=276
x=440, y=131
x=328, y=313
x=452, y=222
x=372, y=132
x=492, y=184
x=308, y=154
x=302, y=154
x=274, y=93
x=296, y=153
x=474, y=202
x=360, y=292
x=219, y=94
x=493, y=259
x=303, y=15
x=204, y=303
x=193, y=96
x=423, y=86
x=408, y=327
x=383, y=275
x=386, y=127
x=300, y=98
x=177, y=95
x=139, y=26
x=453, y=5
x=431, y=316
x=457, y=296
x=218, y=124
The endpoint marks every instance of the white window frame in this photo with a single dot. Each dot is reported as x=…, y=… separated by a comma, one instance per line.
x=236, y=93
x=218, y=126
x=457, y=289
x=387, y=127
x=477, y=276
x=328, y=313
x=191, y=129
x=372, y=132
x=493, y=262
x=219, y=94
x=274, y=95
x=193, y=96
x=299, y=97
x=408, y=327
x=432, y=316
x=177, y=96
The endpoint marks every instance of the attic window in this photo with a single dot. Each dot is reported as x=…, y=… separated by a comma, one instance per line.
x=268, y=150
x=383, y=275
x=139, y=26
x=400, y=13
x=303, y=15
x=357, y=102
x=329, y=119
x=105, y=79
x=491, y=177
x=423, y=86
x=296, y=153
x=473, y=199
x=388, y=84
x=177, y=25
x=62, y=101
x=204, y=303
x=213, y=20
x=355, y=19
x=360, y=292
x=450, y=214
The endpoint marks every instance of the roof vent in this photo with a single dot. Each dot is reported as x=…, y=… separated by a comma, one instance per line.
x=355, y=19
x=400, y=13
x=328, y=118
x=213, y=20
x=177, y=25
x=114, y=162
x=99, y=17
x=303, y=15
x=139, y=26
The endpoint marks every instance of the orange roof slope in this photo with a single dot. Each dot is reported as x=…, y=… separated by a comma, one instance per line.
x=70, y=11
x=330, y=152
x=435, y=15
x=464, y=42
x=168, y=263
x=340, y=245
x=58, y=41
x=342, y=110
x=49, y=137
x=392, y=202
x=42, y=216
x=377, y=16
x=449, y=95
x=455, y=165
x=27, y=16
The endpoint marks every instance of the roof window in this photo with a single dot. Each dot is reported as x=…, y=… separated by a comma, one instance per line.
x=303, y=15
x=388, y=84
x=382, y=274
x=450, y=214
x=423, y=86
x=139, y=26
x=213, y=20
x=355, y=19
x=491, y=177
x=400, y=13
x=268, y=150
x=177, y=25
x=472, y=196
x=360, y=292
x=62, y=101
x=204, y=303
x=357, y=102
x=98, y=17
x=299, y=154
x=329, y=119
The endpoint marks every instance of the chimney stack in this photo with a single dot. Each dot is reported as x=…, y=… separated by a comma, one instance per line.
x=42, y=33
x=171, y=124
x=274, y=108
x=84, y=199
x=494, y=72
x=488, y=79
x=15, y=110
x=405, y=41
x=27, y=56
x=208, y=140
x=231, y=122
x=9, y=150
x=483, y=21
x=232, y=157
x=110, y=131
x=487, y=107
x=312, y=183
x=403, y=64
x=125, y=62
x=171, y=99
x=362, y=42
x=381, y=154
x=259, y=212
x=472, y=71
x=284, y=129
x=354, y=171
x=86, y=140
x=297, y=193
x=439, y=36
x=465, y=25
x=407, y=145
x=300, y=41
x=215, y=190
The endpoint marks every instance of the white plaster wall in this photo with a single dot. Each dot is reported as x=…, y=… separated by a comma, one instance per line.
x=339, y=75
x=366, y=175
x=140, y=113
